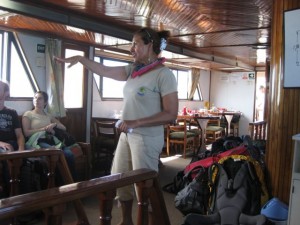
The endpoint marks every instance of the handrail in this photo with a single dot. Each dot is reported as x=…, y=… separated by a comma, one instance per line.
x=53, y=199
x=147, y=187
x=55, y=158
x=258, y=130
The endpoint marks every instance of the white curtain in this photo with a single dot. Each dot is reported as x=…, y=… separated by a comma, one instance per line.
x=54, y=79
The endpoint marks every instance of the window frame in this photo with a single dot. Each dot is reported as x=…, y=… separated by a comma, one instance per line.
x=198, y=90
x=9, y=39
x=101, y=82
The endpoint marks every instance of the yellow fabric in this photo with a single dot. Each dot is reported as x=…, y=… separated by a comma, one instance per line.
x=195, y=82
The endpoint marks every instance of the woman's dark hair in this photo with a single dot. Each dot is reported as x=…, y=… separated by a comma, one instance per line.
x=149, y=35
x=45, y=95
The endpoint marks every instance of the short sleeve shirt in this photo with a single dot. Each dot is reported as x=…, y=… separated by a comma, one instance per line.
x=38, y=121
x=143, y=96
x=9, y=121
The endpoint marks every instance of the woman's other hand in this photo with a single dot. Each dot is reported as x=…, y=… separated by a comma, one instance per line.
x=72, y=60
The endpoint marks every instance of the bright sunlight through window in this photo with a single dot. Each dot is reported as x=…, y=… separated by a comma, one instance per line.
x=73, y=82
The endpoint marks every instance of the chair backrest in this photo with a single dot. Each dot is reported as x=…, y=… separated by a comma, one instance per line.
x=106, y=129
x=177, y=128
x=214, y=122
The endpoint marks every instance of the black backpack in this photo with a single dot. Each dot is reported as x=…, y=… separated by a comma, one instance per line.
x=194, y=197
x=33, y=175
x=181, y=180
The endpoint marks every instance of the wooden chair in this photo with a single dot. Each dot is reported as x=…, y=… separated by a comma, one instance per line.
x=179, y=135
x=258, y=130
x=105, y=141
x=214, y=131
x=193, y=127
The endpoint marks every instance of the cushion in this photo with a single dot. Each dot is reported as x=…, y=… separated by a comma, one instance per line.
x=76, y=150
x=214, y=128
x=180, y=135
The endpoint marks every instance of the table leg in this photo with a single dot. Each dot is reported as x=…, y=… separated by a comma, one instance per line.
x=202, y=124
x=228, y=118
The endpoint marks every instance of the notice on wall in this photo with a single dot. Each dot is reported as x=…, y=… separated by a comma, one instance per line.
x=40, y=48
x=291, y=73
x=224, y=78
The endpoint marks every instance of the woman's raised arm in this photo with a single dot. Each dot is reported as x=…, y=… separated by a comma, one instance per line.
x=116, y=73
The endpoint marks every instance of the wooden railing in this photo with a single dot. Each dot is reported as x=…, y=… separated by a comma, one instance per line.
x=52, y=200
x=258, y=130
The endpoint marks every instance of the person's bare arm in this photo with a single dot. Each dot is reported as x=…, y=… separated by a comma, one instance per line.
x=169, y=113
x=20, y=139
x=116, y=73
x=27, y=127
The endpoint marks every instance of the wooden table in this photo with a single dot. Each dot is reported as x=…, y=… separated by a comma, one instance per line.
x=202, y=124
x=228, y=115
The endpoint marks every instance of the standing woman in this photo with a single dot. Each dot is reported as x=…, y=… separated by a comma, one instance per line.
x=150, y=101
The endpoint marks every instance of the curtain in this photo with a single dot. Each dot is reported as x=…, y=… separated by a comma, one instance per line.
x=195, y=82
x=54, y=79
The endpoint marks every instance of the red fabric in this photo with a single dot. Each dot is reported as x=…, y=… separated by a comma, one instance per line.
x=146, y=68
x=239, y=150
x=206, y=162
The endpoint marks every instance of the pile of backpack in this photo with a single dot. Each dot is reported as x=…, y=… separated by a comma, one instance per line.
x=225, y=186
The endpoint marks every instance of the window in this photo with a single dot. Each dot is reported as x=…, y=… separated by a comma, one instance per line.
x=109, y=88
x=113, y=90
x=73, y=97
x=183, y=78
x=182, y=83
x=15, y=68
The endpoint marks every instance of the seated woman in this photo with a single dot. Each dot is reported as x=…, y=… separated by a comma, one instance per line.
x=38, y=125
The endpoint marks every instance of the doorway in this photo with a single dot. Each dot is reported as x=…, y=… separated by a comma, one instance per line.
x=75, y=93
x=260, y=96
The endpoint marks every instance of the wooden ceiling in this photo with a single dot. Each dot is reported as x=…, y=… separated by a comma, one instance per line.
x=211, y=34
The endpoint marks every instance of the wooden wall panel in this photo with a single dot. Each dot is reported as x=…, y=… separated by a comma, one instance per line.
x=284, y=105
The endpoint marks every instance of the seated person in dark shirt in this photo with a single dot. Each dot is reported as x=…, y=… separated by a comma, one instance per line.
x=11, y=136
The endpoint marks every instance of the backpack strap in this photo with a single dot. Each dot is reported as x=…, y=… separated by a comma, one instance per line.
x=213, y=177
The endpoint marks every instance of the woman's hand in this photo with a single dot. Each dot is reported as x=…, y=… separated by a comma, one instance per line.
x=72, y=60
x=125, y=126
x=50, y=128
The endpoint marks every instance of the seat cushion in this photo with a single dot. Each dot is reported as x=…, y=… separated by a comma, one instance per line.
x=180, y=135
x=214, y=128
x=196, y=131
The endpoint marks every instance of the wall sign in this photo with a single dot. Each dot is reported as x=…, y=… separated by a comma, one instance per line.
x=291, y=67
x=40, y=48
